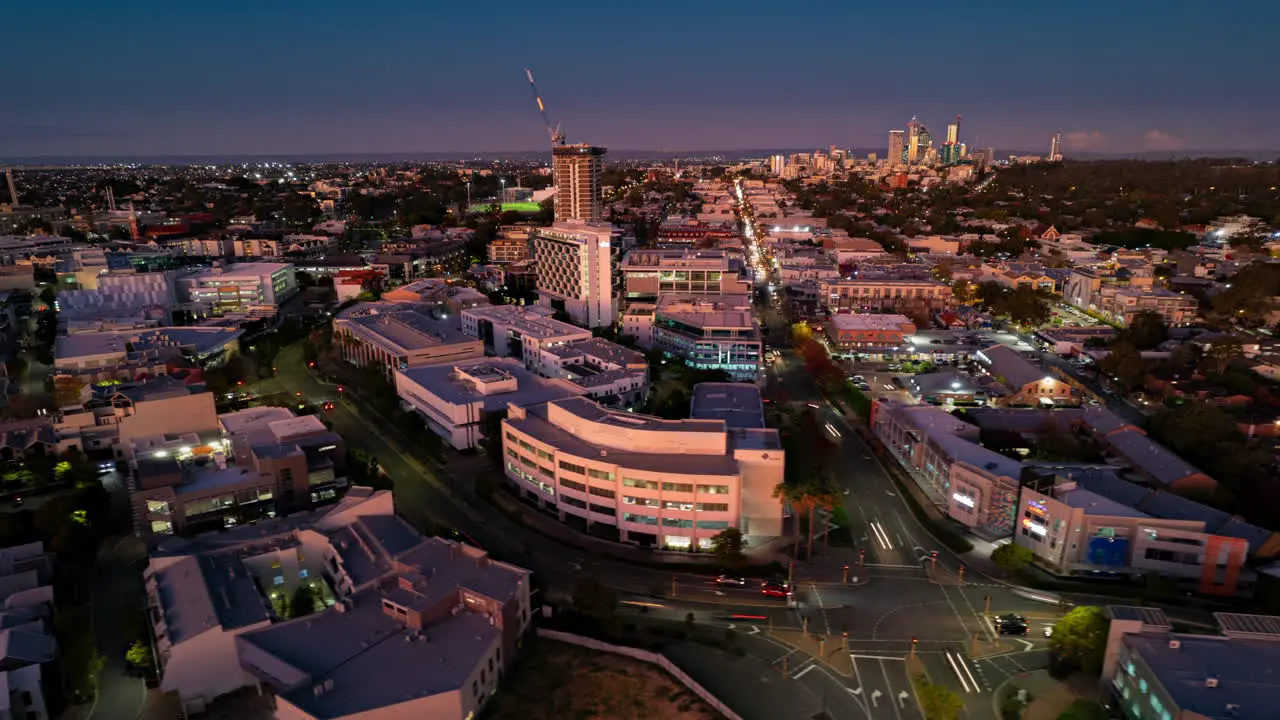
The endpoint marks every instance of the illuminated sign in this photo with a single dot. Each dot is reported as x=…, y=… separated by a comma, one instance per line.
x=1037, y=529
x=963, y=500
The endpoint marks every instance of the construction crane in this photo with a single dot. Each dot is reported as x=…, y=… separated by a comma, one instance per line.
x=557, y=137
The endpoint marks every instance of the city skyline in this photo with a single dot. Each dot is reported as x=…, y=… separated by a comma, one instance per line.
x=126, y=82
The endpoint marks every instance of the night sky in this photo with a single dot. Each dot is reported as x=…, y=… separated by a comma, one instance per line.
x=148, y=77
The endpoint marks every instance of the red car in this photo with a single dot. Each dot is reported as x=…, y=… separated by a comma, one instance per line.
x=773, y=589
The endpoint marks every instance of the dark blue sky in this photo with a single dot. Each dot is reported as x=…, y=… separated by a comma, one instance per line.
x=150, y=77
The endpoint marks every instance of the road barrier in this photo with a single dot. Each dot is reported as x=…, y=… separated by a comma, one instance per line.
x=645, y=656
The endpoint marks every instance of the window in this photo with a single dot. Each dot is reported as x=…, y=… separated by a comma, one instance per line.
x=277, y=580
x=677, y=487
x=676, y=522
x=570, y=500
x=600, y=474
x=580, y=487
x=158, y=507
x=641, y=519
x=714, y=489
x=286, y=475
x=601, y=492
x=645, y=484
x=570, y=467
x=545, y=455
x=511, y=452
x=303, y=573
x=603, y=510
x=526, y=445
x=511, y=437
x=646, y=502
x=713, y=524
x=713, y=507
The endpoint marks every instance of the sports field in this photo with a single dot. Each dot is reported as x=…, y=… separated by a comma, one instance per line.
x=524, y=207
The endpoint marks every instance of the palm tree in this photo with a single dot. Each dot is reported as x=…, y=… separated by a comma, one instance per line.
x=827, y=498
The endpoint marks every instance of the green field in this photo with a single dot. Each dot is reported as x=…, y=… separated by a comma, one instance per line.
x=524, y=207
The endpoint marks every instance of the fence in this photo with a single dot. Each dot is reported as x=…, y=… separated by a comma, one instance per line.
x=645, y=656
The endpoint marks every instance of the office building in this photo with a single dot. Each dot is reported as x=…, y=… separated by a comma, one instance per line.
x=711, y=332
x=254, y=288
x=777, y=164
x=454, y=400
x=648, y=273
x=94, y=357
x=1079, y=521
x=868, y=333
x=575, y=271
x=608, y=372
x=1153, y=673
x=395, y=336
x=261, y=462
x=398, y=625
x=577, y=171
x=519, y=331
x=673, y=484
x=884, y=293
x=897, y=147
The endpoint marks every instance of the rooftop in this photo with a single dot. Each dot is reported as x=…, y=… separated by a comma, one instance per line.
x=1006, y=363
x=529, y=322
x=462, y=384
x=708, y=311
x=1095, y=504
x=1151, y=457
x=872, y=321
x=737, y=404
x=408, y=329
x=1247, y=673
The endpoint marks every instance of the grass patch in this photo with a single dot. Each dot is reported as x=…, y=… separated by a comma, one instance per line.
x=524, y=207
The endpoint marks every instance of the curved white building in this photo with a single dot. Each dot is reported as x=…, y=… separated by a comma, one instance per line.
x=669, y=483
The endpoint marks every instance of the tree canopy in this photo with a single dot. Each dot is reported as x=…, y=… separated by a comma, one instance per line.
x=1080, y=639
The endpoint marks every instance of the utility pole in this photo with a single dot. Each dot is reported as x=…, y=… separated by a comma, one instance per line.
x=822, y=647
x=844, y=641
x=961, y=574
x=913, y=648
x=675, y=586
x=846, y=574
x=933, y=561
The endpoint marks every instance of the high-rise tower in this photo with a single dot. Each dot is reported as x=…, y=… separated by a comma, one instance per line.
x=577, y=171
x=1055, y=147
x=953, y=131
x=896, y=147
x=913, y=140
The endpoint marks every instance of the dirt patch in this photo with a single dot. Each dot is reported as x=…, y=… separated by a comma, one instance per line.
x=555, y=681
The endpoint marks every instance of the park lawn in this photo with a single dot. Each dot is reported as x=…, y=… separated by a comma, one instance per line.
x=557, y=681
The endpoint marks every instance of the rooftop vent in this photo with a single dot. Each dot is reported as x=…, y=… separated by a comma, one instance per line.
x=1211, y=682
x=1175, y=644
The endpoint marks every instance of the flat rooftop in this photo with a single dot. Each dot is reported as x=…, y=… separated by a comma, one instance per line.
x=1247, y=673
x=870, y=321
x=451, y=384
x=1095, y=504
x=409, y=330
x=527, y=322
x=737, y=404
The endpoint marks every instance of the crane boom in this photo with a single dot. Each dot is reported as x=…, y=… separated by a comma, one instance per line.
x=557, y=137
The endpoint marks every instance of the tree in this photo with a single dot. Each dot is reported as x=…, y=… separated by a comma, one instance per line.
x=139, y=655
x=937, y=701
x=593, y=599
x=1084, y=710
x=794, y=496
x=1079, y=639
x=303, y=602
x=1146, y=330
x=1124, y=363
x=1012, y=557
x=727, y=545
x=1221, y=352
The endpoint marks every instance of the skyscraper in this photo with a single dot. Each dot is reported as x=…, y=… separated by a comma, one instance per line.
x=575, y=271
x=577, y=171
x=950, y=154
x=913, y=140
x=896, y=147
x=953, y=131
x=1055, y=147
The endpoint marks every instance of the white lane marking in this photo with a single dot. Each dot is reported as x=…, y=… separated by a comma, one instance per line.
x=964, y=683
x=803, y=672
x=967, y=671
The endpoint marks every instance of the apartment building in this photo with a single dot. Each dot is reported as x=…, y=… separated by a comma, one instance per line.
x=519, y=331
x=1090, y=524
x=575, y=271
x=450, y=298
x=262, y=462
x=395, y=336
x=115, y=417
x=386, y=603
x=879, y=294
x=240, y=287
x=454, y=400
x=577, y=170
x=1153, y=673
x=26, y=638
x=867, y=332
x=712, y=332
x=1119, y=295
x=672, y=484
x=648, y=273
x=506, y=250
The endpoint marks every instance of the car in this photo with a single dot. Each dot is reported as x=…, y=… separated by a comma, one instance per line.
x=1048, y=631
x=857, y=378
x=731, y=580
x=1012, y=625
x=775, y=589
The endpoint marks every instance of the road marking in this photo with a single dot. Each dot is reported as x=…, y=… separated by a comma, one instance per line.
x=967, y=671
x=952, y=661
x=803, y=672
x=874, y=657
x=881, y=536
x=875, y=698
x=889, y=684
x=1027, y=644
